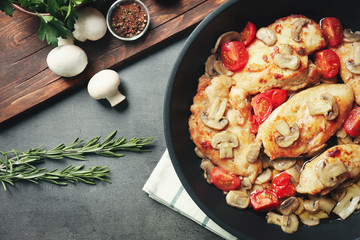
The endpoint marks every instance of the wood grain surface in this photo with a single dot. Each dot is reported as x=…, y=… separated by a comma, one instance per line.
x=25, y=79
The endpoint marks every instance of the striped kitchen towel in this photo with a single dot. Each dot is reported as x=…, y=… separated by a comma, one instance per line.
x=164, y=186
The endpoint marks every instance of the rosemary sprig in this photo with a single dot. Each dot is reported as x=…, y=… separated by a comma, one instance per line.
x=18, y=165
x=70, y=174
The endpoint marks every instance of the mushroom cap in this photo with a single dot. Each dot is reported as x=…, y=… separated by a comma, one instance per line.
x=67, y=60
x=65, y=41
x=103, y=84
x=90, y=25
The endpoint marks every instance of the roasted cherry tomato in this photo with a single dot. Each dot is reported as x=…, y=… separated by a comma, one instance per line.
x=254, y=125
x=248, y=34
x=262, y=107
x=277, y=96
x=224, y=180
x=234, y=55
x=352, y=122
x=333, y=30
x=328, y=62
x=282, y=185
x=263, y=199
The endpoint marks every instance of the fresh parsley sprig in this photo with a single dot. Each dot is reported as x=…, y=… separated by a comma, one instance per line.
x=18, y=165
x=61, y=20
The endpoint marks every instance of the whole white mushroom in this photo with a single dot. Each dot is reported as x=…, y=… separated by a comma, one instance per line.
x=105, y=84
x=67, y=60
x=91, y=24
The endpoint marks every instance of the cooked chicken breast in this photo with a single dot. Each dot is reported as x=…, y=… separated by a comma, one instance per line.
x=306, y=121
x=262, y=72
x=345, y=52
x=221, y=113
x=331, y=168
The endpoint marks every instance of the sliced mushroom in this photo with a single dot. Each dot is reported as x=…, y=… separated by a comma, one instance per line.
x=199, y=153
x=326, y=106
x=330, y=174
x=350, y=36
x=287, y=61
x=294, y=172
x=238, y=199
x=246, y=183
x=217, y=109
x=353, y=65
x=207, y=166
x=312, y=219
x=312, y=205
x=326, y=204
x=356, y=53
x=220, y=68
x=226, y=37
x=290, y=223
x=253, y=153
x=274, y=218
x=264, y=177
x=300, y=208
x=349, y=203
x=286, y=49
x=286, y=135
x=211, y=123
x=209, y=65
x=225, y=141
x=283, y=164
x=215, y=118
x=289, y=205
x=350, y=65
x=267, y=36
x=297, y=27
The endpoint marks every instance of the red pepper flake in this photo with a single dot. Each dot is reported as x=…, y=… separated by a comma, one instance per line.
x=205, y=145
x=129, y=20
x=278, y=76
x=334, y=153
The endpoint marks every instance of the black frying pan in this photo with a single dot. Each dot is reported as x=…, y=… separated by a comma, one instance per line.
x=233, y=15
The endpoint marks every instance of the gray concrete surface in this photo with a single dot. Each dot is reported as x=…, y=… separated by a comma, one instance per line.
x=120, y=210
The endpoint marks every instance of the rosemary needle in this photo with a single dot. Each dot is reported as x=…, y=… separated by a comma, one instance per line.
x=18, y=165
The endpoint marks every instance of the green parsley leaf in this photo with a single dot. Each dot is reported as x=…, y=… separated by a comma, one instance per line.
x=51, y=28
x=71, y=15
x=6, y=7
x=52, y=7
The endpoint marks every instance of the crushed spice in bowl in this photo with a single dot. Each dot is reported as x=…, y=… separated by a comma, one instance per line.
x=128, y=20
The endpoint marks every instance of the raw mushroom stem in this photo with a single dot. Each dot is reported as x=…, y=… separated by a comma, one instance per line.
x=115, y=98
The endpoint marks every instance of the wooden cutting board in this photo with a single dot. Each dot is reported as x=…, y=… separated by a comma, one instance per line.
x=25, y=79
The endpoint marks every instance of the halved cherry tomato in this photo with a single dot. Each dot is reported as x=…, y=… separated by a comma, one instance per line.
x=254, y=125
x=234, y=55
x=277, y=96
x=248, y=34
x=282, y=185
x=263, y=199
x=224, y=180
x=262, y=107
x=333, y=30
x=328, y=62
x=352, y=122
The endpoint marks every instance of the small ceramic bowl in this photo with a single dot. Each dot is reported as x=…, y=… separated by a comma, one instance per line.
x=116, y=5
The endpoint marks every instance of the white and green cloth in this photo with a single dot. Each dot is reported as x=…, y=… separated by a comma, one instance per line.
x=165, y=187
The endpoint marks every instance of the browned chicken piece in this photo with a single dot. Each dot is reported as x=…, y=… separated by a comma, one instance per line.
x=220, y=126
x=332, y=167
x=350, y=66
x=306, y=121
x=283, y=62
